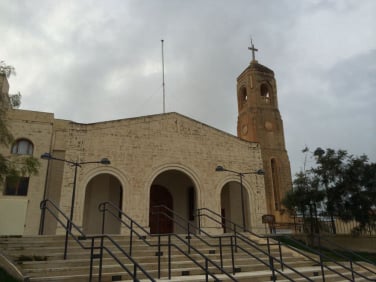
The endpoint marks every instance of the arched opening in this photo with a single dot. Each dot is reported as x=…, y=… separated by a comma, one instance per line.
x=103, y=187
x=265, y=93
x=232, y=207
x=175, y=190
x=275, y=183
x=243, y=95
x=22, y=147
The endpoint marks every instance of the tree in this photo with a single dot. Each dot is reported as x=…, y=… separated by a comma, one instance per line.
x=341, y=184
x=356, y=193
x=12, y=167
x=329, y=172
x=303, y=199
x=6, y=70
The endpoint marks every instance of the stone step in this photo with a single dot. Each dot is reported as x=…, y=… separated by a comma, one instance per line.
x=243, y=265
x=46, y=253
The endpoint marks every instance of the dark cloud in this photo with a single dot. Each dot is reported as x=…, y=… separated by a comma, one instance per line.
x=90, y=61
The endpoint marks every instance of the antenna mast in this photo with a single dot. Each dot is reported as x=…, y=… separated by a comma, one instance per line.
x=163, y=80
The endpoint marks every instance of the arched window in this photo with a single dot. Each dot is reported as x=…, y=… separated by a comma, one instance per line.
x=275, y=181
x=243, y=95
x=22, y=147
x=265, y=94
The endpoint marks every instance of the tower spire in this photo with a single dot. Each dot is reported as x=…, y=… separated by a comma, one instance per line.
x=253, y=49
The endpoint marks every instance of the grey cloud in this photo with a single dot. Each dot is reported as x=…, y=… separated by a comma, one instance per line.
x=89, y=62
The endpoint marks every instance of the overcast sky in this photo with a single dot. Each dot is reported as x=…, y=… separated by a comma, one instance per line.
x=91, y=61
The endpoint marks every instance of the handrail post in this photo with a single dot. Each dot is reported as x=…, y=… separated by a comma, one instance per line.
x=322, y=267
x=158, y=223
x=135, y=272
x=206, y=270
x=66, y=239
x=101, y=259
x=199, y=220
x=189, y=240
x=321, y=261
x=131, y=239
x=280, y=252
x=232, y=255
x=236, y=241
x=159, y=256
x=42, y=216
x=271, y=262
x=103, y=217
x=352, y=270
x=91, y=259
x=221, y=252
x=169, y=256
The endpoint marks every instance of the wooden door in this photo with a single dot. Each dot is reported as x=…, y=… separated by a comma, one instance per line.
x=159, y=218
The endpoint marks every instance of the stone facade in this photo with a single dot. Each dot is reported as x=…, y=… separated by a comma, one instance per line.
x=160, y=159
x=140, y=149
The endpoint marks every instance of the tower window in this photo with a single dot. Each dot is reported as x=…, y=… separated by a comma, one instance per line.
x=275, y=181
x=265, y=94
x=243, y=95
x=22, y=147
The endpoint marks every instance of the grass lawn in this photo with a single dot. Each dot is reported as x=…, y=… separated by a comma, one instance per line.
x=337, y=255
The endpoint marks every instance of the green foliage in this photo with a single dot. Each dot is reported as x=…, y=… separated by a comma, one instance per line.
x=15, y=100
x=16, y=167
x=12, y=167
x=341, y=184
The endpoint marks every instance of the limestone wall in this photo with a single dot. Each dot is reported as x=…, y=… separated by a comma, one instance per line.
x=37, y=128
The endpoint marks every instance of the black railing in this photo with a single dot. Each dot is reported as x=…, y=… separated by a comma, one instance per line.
x=235, y=246
x=219, y=220
x=340, y=252
x=132, y=225
x=323, y=224
x=71, y=229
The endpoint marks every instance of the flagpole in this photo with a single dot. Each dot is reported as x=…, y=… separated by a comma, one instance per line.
x=163, y=80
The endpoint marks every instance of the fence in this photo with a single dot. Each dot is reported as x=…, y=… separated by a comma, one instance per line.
x=324, y=225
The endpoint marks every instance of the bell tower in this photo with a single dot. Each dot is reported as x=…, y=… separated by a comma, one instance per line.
x=259, y=121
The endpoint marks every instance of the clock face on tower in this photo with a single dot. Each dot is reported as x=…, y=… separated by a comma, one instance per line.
x=268, y=126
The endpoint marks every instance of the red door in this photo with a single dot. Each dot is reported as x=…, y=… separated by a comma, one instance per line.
x=159, y=218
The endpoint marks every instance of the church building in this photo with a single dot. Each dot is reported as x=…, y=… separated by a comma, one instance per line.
x=138, y=163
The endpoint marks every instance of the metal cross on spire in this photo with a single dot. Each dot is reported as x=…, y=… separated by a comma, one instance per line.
x=253, y=49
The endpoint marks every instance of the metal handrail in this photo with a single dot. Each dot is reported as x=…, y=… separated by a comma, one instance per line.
x=318, y=253
x=336, y=253
x=79, y=239
x=246, y=240
x=339, y=247
x=103, y=209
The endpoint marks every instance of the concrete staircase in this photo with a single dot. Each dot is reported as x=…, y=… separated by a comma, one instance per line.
x=40, y=258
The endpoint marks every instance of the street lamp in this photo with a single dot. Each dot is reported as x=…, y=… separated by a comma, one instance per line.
x=48, y=156
x=241, y=174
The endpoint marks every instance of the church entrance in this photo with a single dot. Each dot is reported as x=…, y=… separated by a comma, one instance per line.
x=174, y=190
x=103, y=187
x=231, y=206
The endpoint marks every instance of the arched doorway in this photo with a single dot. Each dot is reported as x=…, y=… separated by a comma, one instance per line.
x=231, y=205
x=103, y=187
x=175, y=190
